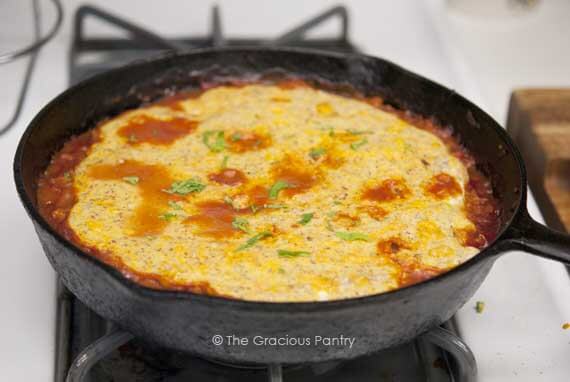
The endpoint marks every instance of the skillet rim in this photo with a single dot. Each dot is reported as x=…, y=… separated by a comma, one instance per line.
x=492, y=250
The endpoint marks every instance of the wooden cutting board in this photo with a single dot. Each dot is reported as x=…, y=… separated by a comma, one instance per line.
x=539, y=122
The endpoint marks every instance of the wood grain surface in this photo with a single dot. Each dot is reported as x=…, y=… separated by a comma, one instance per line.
x=539, y=122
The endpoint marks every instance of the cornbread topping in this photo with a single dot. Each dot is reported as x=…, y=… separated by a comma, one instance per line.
x=270, y=192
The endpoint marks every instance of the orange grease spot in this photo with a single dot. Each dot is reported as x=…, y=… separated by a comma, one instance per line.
x=442, y=186
x=214, y=218
x=299, y=180
x=228, y=176
x=258, y=196
x=411, y=271
x=469, y=237
x=375, y=212
x=153, y=179
x=346, y=220
x=388, y=190
x=144, y=129
x=391, y=246
x=240, y=142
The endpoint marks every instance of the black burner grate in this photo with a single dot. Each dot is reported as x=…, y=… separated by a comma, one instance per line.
x=421, y=360
x=92, y=55
x=79, y=328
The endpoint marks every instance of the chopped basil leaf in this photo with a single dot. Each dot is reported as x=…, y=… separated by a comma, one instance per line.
x=306, y=218
x=254, y=239
x=479, y=306
x=174, y=205
x=225, y=161
x=287, y=253
x=277, y=187
x=254, y=208
x=242, y=224
x=359, y=144
x=185, y=187
x=235, y=137
x=352, y=236
x=67, y=175
x=131, y=179
x=168, y=216
x=218, y=143
x=282, y=271
x=316, y=153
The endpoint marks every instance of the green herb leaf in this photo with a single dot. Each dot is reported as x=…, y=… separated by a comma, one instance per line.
x=359, y=144
x=479, y=306
x=168, y=216
x=316, y=153
x=306, y=218
x=218, y=143
x=235, y=137
x=68, y=176
x=254, y=208
x=254, y=239
x=277, y=188
x=282, y=271
x=289, y=254
x=174, y=205
x=225, y=162
x=242, y=224
x=185, y=187
x=352, y=236
x=131, y=180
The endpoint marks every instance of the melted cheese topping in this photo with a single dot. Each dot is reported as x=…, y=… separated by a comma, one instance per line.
x=272, y=194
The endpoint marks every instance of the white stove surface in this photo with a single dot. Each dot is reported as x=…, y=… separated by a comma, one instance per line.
x=517, y=338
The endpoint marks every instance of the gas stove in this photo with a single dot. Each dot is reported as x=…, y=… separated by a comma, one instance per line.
x=519, y=337
x=89, y=348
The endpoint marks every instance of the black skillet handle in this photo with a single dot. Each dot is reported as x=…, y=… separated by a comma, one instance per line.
x=529, y=235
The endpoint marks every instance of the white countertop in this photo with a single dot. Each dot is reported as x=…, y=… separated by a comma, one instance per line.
x=519, y=335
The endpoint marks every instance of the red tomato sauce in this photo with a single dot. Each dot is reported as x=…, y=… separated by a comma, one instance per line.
x=145, y=129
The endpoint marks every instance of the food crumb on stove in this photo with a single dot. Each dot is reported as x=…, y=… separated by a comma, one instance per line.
x=479, y=306
x=566, y=325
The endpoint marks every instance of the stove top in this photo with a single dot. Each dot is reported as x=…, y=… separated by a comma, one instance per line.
x=91, y=349
x=96, y=351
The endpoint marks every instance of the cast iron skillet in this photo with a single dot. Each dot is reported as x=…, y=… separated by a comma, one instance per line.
x=187, y=321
